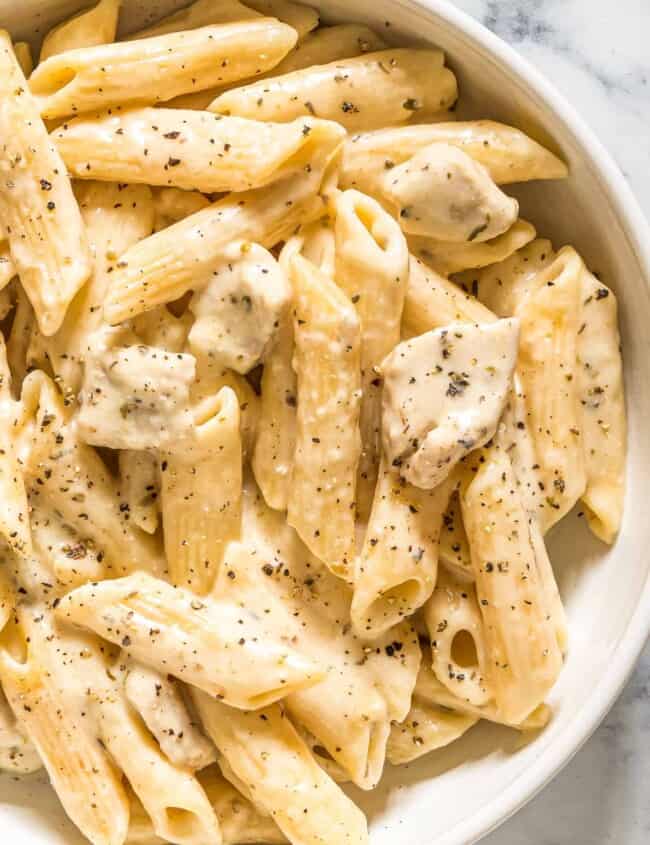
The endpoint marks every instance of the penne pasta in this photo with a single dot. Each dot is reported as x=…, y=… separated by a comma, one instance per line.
x=365, y=688
x=159, y=701
x=327, y=361
x=165, y=266
x=44, y=695
x=372, y=269
x=173, y=204
x=504, y=286
x=397, y=568
x=363, y=92
x=508, y=154
x=453, y=619
x=89, y=28
x=241, y=823
x=524, y=655
x=272, y=760
x=116, y=216
x=326, y=44
x=24, y=56
x=192, y=150
x=197, y=641
x=454, y=548
x=198, y=14
x=276, y=433
x=7, y=266
x=172, y=797
x=432, y=302
x=140, y=487
x=547, y=367
x=7, y=596
x=14, y=510
x=600, y=392
x=301, y=17
x=515, y=438
x=165, y=66
x=426, y=728
x=428, y=689
x=17, y=753
x=447, y=258
x=64, y=475
x=201, y=483
x=275, y=445
x=37, y=207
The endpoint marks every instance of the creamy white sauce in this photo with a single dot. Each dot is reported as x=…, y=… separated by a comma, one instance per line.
x=444, y=392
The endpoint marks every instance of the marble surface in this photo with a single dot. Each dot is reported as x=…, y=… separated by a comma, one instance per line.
x=596, y=52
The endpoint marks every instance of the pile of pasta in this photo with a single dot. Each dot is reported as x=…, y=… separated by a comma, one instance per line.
x=289, y=397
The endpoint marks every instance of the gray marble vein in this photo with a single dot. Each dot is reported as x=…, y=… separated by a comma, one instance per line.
x=596, y=52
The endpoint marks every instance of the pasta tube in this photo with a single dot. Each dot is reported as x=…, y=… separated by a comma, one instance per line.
x=173, y=204
x=453, y=619
x=67, y=476
x=301, y=17
x=454, y=548
x=372, y=268
x=365, y=688
x=207, y=13
x=600, y=392
x=7, y=266
x=158, y=700
x=363, y=92
x=140, y=487
x=201, y=494
x=17, y=753
x=503, y=287
x=37, y=207
x=165, y=266
x=432, y=301
x=326, y=44
x=508, y=154
x=91, y=27
x=24, y=56
x=329, y=44
x=185, y=149
x=171, y=795
x=524, y=656
x=447, y=258
x=276, y=433
x=550, y=318
x=397, y=569
x=267, y=754
x=197, y=14
x=165, y=67
x=14, y=511
x=426, y=728
x=515, y=438
x=45, y=697
x=241, y=823
x=116, y=216
x=327, y=362
x=428, y=689
x=197, y=641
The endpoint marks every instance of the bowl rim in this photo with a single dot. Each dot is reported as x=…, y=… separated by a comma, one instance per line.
x=627, y=651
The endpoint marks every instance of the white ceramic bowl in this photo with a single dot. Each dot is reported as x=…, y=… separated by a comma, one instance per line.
x=457, y=795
